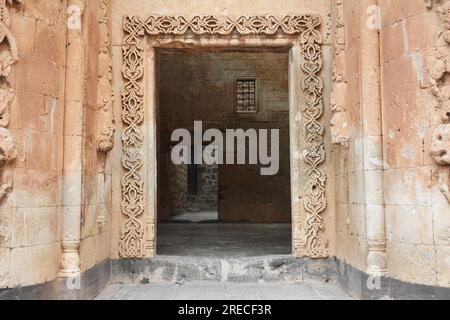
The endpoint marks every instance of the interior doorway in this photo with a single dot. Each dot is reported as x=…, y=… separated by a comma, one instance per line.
x=223, y=209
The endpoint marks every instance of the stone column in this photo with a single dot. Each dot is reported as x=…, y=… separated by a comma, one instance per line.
x=151, y=168
x=296, y=100
x=373, y=140
x=73, y=140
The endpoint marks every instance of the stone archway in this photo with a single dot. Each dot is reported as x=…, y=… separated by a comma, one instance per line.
x=302, y=34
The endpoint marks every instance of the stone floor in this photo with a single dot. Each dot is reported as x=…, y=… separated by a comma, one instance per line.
x=197, y=217
x=194, y=248
x=223, y=291
x=224, y=240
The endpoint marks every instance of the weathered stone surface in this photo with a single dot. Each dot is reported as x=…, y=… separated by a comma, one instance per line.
x=235, y=270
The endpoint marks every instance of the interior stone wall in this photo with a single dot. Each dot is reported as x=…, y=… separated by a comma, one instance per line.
x=207, y=197
x=200, y=86
x=176, y=199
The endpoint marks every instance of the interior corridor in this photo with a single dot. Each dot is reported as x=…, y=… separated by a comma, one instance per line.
x=223, y=210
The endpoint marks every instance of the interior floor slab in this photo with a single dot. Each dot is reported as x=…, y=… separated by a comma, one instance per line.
x=224, y=240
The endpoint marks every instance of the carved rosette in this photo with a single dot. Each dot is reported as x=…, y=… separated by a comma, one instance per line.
x=9, y=55
x=105, y=96
x=134, y=240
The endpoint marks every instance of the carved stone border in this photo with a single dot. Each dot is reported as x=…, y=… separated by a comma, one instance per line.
x=133, y=242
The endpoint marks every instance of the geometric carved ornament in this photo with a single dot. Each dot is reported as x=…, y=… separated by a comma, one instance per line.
x=134, y=240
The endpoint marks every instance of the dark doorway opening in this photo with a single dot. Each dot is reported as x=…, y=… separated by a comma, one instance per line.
x=232, y=210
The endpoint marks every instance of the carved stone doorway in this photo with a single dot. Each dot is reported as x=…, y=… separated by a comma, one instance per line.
x=301, y=34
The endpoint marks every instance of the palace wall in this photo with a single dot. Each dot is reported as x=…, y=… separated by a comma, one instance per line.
x=386, y=128
x=417, y=211
x=30, y=221
x=347, y=134
x=97, y=167
x=57, y=129
x=412, y=85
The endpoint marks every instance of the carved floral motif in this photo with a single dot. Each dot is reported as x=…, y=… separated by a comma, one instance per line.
x=134, y=241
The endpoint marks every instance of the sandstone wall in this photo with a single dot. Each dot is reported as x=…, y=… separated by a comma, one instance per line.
x=61, y=133
x=31, y=212
x=29, y=215
x=417, y=212
x=415, y=202
x=348, y=157
x=97, y=169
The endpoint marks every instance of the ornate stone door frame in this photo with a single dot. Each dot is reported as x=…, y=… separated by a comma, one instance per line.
x=301, y=33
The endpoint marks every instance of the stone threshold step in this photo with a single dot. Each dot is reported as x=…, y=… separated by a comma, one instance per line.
x=180, y=270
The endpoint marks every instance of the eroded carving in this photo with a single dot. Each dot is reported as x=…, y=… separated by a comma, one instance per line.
x=4, y=190
x=134, y=240
x=105, y=91
x=339, y=123
x=440, y=145
x=438, y=71
x=8, y=150
x=429, y=3
x=9, y=55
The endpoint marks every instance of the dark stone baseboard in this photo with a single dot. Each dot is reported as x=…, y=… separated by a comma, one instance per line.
x=355, y=282
x=349, y=279
x=167, y=269
x=90, y=284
